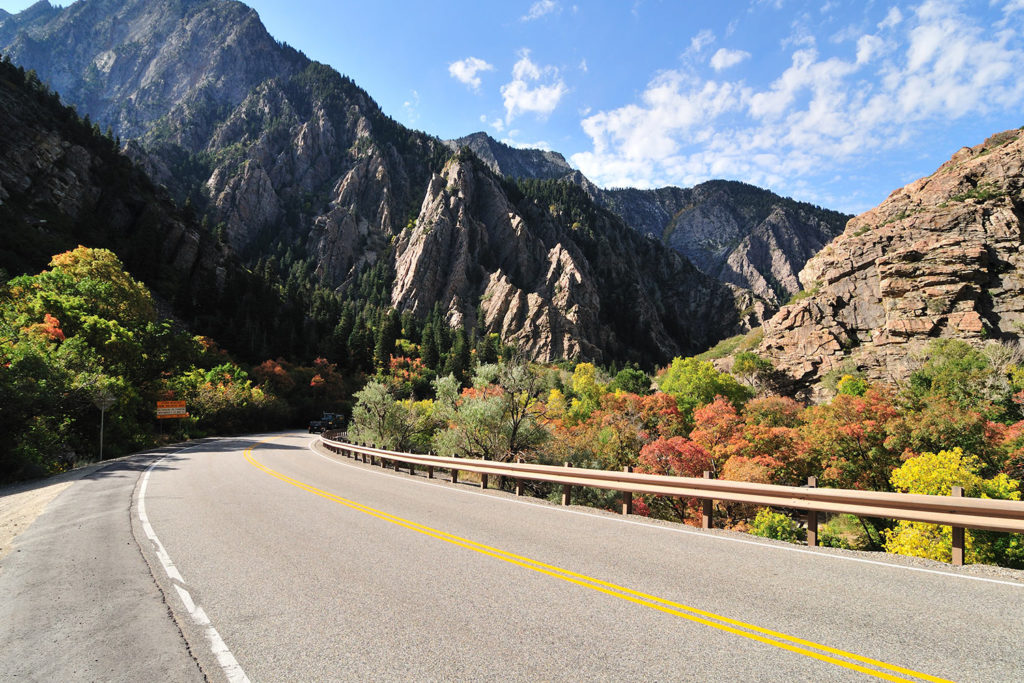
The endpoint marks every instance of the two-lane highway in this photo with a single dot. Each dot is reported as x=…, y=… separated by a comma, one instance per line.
x=282, y=563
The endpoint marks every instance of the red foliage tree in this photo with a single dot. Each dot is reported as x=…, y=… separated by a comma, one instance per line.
x=679, y=457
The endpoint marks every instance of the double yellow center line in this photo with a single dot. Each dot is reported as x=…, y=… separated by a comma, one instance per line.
x=847, y=660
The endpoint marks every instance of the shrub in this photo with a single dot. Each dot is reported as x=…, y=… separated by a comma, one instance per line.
x=776, y=525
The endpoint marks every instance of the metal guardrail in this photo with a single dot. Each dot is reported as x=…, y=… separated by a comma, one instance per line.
x=955, y=510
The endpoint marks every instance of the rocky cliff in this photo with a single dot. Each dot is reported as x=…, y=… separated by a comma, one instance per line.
x=514, y=162
x=940, y=257
x=734, y=232
x=545, y=269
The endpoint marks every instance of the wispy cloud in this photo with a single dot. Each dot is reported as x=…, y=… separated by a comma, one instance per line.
x=539, y=9
x=724, y=58
x=533, y=89
x=925, y=67
x=467, y=70
x=412, y=108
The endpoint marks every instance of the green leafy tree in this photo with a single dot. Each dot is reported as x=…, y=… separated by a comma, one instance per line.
x=695, y=383
x=955, y=370
x=495, y=419
x=631, y=381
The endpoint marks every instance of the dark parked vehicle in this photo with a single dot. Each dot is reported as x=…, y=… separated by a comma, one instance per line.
x=316, y=427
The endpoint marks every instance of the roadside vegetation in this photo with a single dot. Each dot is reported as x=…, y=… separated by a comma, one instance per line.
x=83, y=330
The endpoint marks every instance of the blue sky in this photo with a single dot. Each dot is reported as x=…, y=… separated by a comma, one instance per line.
x=829, y=102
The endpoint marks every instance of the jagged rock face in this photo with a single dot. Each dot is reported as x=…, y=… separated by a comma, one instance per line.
x=940, y=257
x=548, y=288
x=470, y=246
x=131, y=64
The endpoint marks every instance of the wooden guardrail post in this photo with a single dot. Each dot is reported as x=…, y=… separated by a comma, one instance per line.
x=812, y=517
x=455, y=476
x=627, y=496
x=958, y=533
x=706, y=522
x=430, y=468
x=519, y=482
x=566, y=491
x=483, y=481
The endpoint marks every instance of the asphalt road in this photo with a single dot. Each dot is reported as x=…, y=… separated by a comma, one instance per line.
x=264, y=559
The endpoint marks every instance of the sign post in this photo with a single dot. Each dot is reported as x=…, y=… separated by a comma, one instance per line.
x=103, y=400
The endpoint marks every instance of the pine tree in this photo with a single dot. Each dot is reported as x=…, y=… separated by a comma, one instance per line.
x=428, y=347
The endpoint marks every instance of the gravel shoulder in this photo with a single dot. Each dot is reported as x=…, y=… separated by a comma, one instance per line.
x=22, y=503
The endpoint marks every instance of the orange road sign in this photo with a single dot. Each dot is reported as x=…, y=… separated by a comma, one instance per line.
x=169, y=409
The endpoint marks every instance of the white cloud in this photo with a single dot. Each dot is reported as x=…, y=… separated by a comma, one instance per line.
x=584, y=68
x=540, y=144
x=466, y=70
x=701, y=41
x=893, y=18
x=533, y=89
x=923, y=69
x=724, y=58
x=540, y=9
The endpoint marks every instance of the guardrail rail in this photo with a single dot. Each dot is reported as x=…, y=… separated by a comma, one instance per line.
x=954, y=510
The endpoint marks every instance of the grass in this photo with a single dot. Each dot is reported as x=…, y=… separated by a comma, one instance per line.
x=727, y=347
x=804, y=294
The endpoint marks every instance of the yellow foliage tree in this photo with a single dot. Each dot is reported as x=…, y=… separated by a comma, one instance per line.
x=936, y=474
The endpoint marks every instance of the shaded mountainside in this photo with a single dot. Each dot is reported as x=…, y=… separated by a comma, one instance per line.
x=62, y=183
x=940, y=257
x=302, y=175
x=734, y=232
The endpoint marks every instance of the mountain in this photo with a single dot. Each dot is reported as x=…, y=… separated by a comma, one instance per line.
x=736, y=233
x=939, y=258
x=303, y=176
x=64, y=183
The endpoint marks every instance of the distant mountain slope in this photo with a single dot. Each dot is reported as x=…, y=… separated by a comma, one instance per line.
x=301, y=174
x=514, y=162
x=941, y=257
x=734, y=232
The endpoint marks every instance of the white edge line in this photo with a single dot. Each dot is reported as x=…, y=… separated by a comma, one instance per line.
x=228, y=664
x=715, y=537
